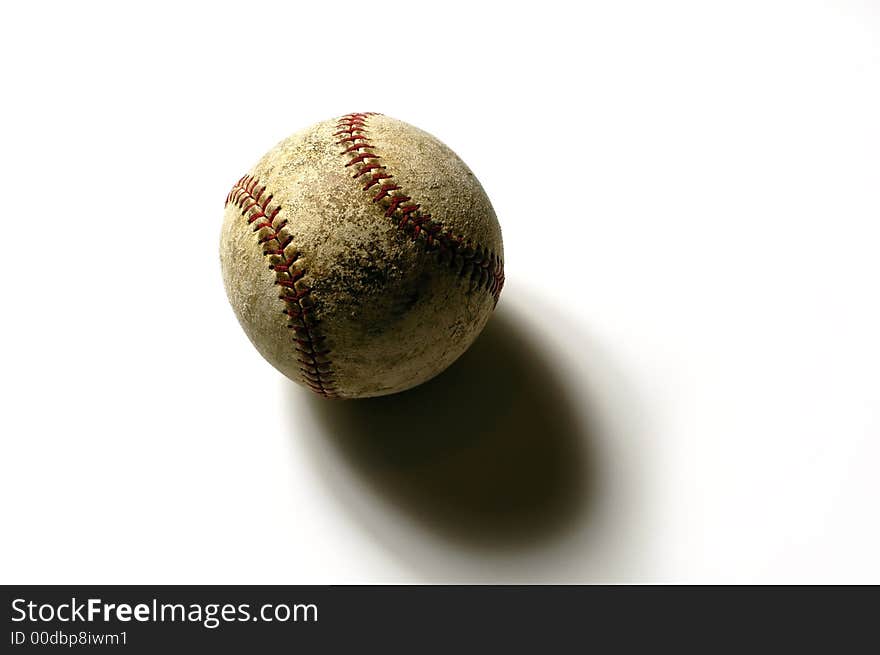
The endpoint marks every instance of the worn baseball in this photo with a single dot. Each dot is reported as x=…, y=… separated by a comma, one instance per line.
x=361, y=256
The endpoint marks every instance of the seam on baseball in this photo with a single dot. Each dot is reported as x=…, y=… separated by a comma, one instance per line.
x=284, y=259
x=483, y=267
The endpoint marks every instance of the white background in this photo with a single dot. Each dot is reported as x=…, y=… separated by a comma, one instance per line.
x=681, y=380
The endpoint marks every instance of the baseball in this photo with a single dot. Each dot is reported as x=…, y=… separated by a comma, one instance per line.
x=361, y=256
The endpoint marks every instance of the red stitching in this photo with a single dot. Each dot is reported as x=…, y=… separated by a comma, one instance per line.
x=376, y=178
x=482, y=266
x=311, y=352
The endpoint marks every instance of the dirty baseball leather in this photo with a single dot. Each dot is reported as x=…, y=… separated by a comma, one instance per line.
x=338, y=282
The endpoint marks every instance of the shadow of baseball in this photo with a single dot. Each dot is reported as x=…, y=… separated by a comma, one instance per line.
x=492, y=453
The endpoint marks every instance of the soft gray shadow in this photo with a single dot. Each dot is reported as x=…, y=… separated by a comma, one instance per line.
x=493, y=453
